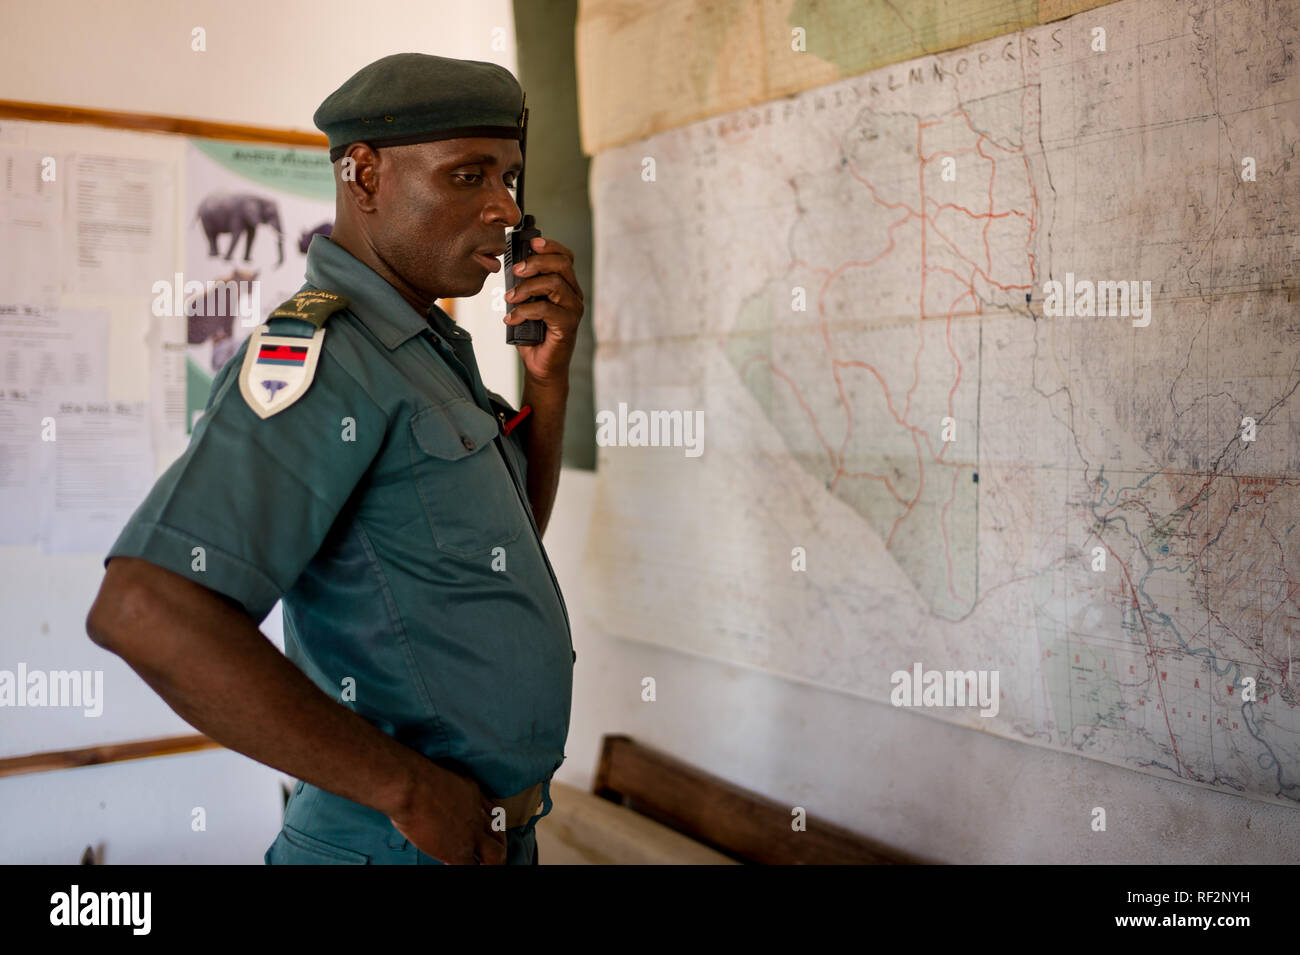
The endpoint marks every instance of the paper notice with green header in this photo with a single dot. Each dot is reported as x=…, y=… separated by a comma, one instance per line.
x=250, y=213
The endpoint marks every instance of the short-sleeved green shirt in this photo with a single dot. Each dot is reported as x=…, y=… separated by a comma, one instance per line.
x=388, y=510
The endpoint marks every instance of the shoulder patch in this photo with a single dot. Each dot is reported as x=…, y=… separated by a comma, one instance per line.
x=278, y=369
x=311, y=305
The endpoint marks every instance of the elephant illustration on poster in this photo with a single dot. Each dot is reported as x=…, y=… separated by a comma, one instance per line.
x=211, y=315
x=239, y=215
x=304, y=240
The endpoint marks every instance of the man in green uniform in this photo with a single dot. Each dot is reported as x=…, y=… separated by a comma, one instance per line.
x=351, y=463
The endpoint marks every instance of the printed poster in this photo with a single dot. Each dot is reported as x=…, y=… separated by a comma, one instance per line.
x=251, y=212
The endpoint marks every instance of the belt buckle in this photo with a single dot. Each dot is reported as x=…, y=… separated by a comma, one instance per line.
x=526, y=803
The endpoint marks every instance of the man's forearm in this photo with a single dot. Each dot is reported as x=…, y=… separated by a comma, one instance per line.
x=213, y=666
x=544, y=444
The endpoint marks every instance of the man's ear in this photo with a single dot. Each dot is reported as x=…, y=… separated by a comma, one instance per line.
x=357, y=174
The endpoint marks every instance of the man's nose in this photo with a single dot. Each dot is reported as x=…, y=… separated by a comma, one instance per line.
x=502, y=208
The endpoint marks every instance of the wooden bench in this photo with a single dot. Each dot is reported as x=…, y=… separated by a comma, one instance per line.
x=671, y=812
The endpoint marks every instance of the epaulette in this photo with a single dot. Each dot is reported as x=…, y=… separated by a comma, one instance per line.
x=280, y=362
x=312, y=306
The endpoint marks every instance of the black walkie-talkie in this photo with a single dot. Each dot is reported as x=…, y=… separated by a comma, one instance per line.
x=519, y=248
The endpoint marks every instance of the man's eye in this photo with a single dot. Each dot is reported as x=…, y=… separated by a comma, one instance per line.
x=469, y=176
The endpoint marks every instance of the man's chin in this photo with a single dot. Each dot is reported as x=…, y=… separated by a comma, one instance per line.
x=473, y=284
x=464, y=287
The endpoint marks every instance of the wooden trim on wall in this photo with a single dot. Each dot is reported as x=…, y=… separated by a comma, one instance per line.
x=157, y=123
x=735, y=821
x=108, y=753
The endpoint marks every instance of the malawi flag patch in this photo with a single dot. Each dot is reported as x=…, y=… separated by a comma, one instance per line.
x=293, y=355
x=278, y=369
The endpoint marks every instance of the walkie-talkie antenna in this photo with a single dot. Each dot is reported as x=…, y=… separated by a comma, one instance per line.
x=523, y=159
x=519, y=248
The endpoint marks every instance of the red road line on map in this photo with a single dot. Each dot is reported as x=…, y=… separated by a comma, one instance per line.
x=952, y=246
x=798, y=397
x=948, y=339
x=830, y=350
x=943, y=526
x=1033, y=219
x=978, y=215
x=916, y=362
x=920, y=179
x=889, y=403
x=888, y=205
x=927, y=222
x=993, y=175
x=920, y=487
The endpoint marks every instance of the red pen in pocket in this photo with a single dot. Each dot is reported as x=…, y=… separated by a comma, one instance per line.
x=523, y=413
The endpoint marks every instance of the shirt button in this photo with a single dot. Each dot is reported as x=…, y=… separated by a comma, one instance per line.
x=468, y=442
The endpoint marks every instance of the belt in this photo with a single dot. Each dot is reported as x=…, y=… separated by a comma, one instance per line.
x=521, y=806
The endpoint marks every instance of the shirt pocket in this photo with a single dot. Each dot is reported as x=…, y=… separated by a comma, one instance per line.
x=464, y=486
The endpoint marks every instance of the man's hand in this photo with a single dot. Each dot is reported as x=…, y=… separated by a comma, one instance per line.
x=205, y=656
x=548, y=272
x=447, y=816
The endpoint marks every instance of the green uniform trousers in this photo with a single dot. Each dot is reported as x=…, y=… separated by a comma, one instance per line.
x=321, y=828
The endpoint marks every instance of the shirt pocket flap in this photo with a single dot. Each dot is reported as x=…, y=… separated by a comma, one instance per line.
x=453, y=430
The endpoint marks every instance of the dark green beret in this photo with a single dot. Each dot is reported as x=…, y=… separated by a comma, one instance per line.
x=418, y=98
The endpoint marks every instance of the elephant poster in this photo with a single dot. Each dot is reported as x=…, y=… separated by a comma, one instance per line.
x=250, y=213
